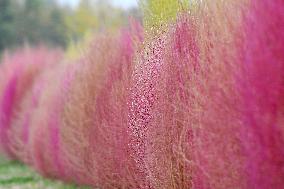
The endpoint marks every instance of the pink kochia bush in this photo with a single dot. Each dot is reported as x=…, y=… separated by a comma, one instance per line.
x=46, y=143
x=179, y=128
x=197, y=103
x=263, y=94
x=95, y=116
x=18, y=72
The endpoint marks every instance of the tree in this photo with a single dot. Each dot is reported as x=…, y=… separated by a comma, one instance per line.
x=6, y=24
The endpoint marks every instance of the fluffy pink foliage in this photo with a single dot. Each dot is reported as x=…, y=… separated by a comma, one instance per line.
x=109, y=134
x=21, y=127
x=18, y=71
x=94, y=129
x=175, y=119
x=263, y=94
x=143, y=96
x=45, y=141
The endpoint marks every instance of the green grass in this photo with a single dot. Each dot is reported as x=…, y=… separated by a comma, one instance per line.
x=14, y=175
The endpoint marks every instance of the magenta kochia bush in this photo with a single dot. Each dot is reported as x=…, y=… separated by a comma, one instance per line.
x=179, y=107
x=94, y=122
x=18, y=71
x=45, y=142
x=143, y=95
x=263, y=94
x=201, y=115
x=109, y=135
x=20, y=129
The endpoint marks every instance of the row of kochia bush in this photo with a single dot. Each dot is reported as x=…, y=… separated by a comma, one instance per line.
x=194, y=103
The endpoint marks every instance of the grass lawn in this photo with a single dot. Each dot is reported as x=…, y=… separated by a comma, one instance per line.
x=14, y=175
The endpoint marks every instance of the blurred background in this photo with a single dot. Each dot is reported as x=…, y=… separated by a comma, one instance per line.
x=60, y=23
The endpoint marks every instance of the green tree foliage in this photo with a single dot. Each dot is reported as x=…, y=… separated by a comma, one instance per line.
x=81, y=20
x=6, y=24
x=32, y=22
x=93, y=16
x=45, y=21
x=158, y=12
x=96, y=15
x=41, y=21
